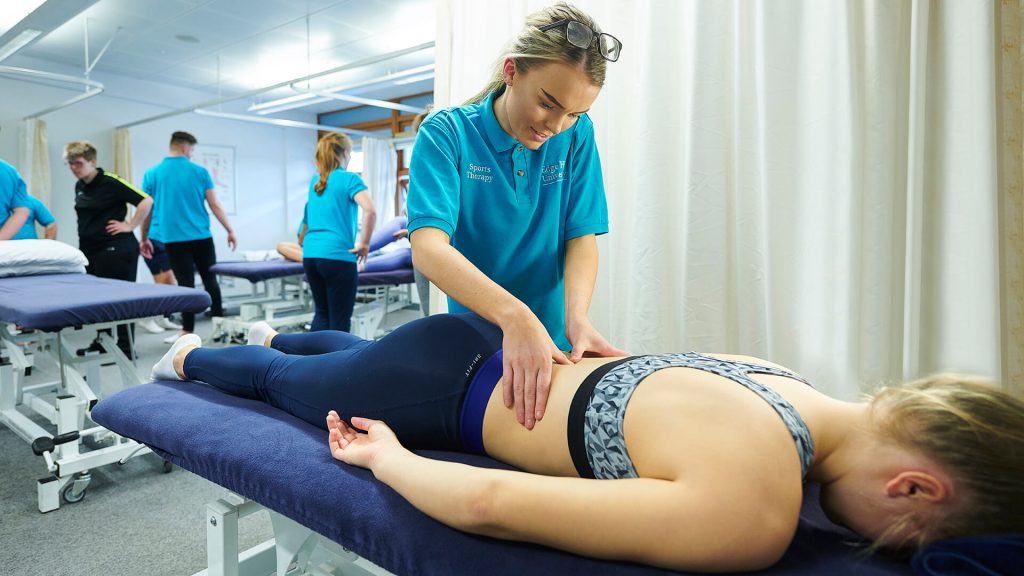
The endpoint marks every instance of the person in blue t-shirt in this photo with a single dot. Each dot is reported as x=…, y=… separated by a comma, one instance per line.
x=506, y=199
x=330, y=251
x=13, y=201
x=37, y=212
x=181, y=189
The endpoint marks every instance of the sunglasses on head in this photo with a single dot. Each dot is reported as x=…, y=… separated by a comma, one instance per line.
x=582, y=36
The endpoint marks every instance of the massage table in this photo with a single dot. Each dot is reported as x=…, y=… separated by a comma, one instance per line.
x=331, y=518
x=36, y=313
x=280, y=298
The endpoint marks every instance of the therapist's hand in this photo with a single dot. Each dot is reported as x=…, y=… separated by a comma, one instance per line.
x=528, y=351
x=118, y=227
x=585, y=338
x=146, y=249
x=361, y=251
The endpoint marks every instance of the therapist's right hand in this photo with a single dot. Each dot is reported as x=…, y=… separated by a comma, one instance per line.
x=528, y=351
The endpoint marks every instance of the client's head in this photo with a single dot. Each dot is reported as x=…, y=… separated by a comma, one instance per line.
x=956, y=450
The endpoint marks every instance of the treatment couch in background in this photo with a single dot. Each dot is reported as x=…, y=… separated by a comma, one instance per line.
x=331, y=518
x=37, y=312
x=281, y=298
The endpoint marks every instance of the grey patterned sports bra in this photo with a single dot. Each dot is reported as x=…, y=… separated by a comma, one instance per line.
x=596, y=440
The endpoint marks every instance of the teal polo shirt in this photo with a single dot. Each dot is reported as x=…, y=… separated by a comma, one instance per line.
x=331, y=217
x=37, y=212
x=508, y=209
x=178, y=187
x=12, y=191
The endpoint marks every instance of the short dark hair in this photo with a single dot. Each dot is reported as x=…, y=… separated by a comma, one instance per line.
x=179, y=138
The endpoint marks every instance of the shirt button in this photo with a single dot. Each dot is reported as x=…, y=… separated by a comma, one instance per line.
x=520, y=172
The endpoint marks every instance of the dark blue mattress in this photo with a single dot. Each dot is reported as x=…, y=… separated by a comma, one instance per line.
x=51, y=302
x=283, y=463
x=400, y=276
x=259, y=271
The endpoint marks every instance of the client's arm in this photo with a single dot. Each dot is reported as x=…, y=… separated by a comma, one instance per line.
x=658, y=522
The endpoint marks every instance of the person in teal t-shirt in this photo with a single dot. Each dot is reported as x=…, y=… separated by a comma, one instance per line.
x=13, y=201
x=181, y=190
x=506, y=200
x=37, y=212
x=330, y=251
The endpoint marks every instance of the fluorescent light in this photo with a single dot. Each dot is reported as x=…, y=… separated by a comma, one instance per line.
x=15, y=11
x=18, y=42
x=306, y=98
x=278, y=122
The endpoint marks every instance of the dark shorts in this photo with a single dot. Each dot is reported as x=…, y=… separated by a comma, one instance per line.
x=159, y=262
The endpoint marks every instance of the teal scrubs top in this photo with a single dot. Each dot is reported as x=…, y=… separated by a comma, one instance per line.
x=37, y=212
x=508, y=209
x=12, y=191
x=331, y=217
x=178, y=187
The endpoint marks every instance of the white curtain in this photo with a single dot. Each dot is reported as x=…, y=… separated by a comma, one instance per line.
x=39, y=184
x=380, y=164
x=810, y=181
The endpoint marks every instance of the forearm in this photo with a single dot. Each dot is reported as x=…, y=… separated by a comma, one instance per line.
x=454, y=494
x=142, y=212
x=222, y=217
x=457, y=277
x=13, y=223
x=144, y=229
x=50, y=232
x=581, y=258
x=369, y=220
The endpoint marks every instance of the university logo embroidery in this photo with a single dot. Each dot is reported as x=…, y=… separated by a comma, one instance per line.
x=552, y=173
x=481, y=173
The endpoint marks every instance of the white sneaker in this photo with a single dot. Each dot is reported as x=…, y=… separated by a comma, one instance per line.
x=150, y=325
x=173, y=338
x=164, y=322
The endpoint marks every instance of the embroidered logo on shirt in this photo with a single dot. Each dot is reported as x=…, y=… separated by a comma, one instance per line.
x=481, y=173
x=552, y=173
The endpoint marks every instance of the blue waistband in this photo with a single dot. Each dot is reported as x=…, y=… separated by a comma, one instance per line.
x=471, y=420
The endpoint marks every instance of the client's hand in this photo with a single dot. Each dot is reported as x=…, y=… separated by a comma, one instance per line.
x=358, y=448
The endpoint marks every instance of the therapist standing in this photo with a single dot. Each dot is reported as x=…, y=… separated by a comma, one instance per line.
x=104, y=236
x=507, y=197
x=13, y=201
x=332, y=247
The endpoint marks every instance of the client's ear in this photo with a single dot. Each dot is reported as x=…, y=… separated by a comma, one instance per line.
x=918, y=485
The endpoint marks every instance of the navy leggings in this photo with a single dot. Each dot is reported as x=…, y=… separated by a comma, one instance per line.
x=333, y=284
x=414, y=378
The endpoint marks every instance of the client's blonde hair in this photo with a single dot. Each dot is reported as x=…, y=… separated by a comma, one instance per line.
x=975, y=431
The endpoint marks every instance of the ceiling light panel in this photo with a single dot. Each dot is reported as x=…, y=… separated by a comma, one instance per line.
x=14, y=10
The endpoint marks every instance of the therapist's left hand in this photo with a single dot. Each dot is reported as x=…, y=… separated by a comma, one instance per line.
x=361, y=251
x=117, y=227
x=585, y=338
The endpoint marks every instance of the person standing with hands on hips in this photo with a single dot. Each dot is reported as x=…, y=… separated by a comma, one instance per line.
x=507, y=198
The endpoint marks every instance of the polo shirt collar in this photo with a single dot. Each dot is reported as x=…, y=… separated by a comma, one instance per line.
x=500, y=140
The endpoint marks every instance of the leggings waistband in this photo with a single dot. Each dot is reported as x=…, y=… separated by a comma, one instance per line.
x=471, y=417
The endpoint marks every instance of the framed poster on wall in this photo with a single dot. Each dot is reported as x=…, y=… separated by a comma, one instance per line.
x=220, y=161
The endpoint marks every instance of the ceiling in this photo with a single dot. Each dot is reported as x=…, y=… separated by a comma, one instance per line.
x=228, y=47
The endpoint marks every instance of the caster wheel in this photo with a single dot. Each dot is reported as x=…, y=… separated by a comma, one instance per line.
x=69, y=494
x=167, y=467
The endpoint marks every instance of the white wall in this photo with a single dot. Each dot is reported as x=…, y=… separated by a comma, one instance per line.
x=273, y=164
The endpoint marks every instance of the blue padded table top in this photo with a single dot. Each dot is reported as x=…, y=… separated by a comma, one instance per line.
x=258, y=271
x=283, y=463
x=52, y=302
